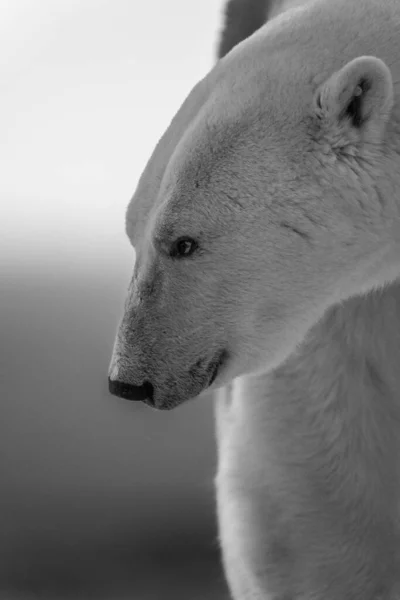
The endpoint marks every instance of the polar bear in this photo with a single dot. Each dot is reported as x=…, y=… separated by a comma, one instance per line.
x=266, y=227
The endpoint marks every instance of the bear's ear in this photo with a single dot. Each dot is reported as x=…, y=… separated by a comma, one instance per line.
x=355, y=103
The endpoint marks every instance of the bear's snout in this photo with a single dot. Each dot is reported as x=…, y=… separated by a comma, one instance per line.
x=128, y=391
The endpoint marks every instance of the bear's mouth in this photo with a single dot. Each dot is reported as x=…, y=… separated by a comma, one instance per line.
x=215, y=366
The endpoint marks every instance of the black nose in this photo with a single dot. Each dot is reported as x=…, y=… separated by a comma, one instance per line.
x=131, y=392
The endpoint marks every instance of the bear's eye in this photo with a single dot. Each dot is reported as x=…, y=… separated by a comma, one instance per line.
x=183, y=247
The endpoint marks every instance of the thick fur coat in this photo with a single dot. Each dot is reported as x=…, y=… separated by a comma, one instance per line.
x=267, y=233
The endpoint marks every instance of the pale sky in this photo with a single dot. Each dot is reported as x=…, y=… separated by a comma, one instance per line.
x=87, y=88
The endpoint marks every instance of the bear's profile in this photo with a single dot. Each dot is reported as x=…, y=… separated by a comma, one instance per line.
x=267, y=234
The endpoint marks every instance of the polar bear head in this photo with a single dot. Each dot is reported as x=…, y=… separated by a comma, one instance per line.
x=270, y=197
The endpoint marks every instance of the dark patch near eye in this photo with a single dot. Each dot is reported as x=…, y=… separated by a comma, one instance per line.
x=353, y=110
x=183, y=247
x=196, y=184
x=295, y=230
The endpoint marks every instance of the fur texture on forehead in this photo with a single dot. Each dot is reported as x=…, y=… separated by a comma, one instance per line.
x=263, y=88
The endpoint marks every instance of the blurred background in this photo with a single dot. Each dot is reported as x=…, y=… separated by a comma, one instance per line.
x=99, y=497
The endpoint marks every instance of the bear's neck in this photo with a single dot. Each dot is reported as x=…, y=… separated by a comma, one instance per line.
x=339, y=395
x=333, y=407
x=312, y=451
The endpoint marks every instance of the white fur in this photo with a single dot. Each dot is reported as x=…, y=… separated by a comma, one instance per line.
x=284, y=164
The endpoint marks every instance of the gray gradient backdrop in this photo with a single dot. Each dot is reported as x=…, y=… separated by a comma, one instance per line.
x=99, y=498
